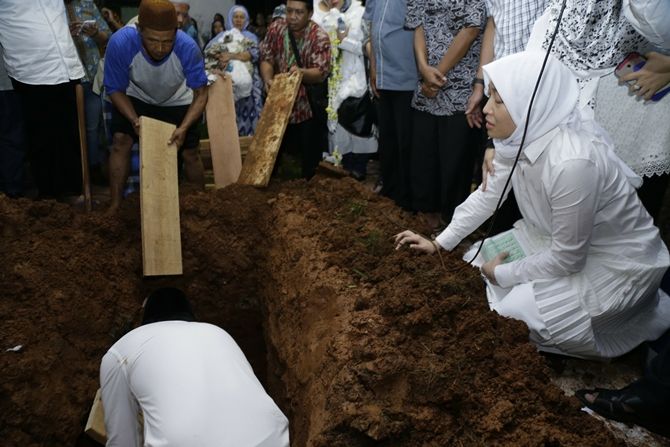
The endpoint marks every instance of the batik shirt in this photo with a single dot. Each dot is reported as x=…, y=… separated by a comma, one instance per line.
x=314, y=48
x=86, y=10
x=442, y=20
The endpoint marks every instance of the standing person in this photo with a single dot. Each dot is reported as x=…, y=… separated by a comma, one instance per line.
x=12, y=137
x=393, y=77
x=248, y=109
x=45, y=68
x=343, y=21
x=218, y=26
x=185, y=22
x=638, y=126
x=191, y=382
x=306, y=132
x=586, y=281
x=90, y=34
x=446, y=45
x=157, y=71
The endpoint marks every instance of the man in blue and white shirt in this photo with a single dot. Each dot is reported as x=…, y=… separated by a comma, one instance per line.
x=154, y=70
x=393, y=78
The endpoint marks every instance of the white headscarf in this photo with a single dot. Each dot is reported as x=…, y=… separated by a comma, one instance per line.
x=555, y=103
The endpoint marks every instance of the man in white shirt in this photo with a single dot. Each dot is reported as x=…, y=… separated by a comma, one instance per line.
x=189, y=380
x=42, y=62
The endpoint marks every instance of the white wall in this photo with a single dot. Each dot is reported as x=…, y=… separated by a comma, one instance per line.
x=203, y=11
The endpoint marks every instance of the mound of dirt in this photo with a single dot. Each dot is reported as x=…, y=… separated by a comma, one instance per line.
x=359, y=344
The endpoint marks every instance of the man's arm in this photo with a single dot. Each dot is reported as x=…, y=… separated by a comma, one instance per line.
x=267, y=74
x=193, y=113
x=432, y=78
x=311, y=75
x=120, y=406
x=459, y=47
x=473, y=111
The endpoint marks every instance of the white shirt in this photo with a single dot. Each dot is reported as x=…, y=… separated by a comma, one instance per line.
x=36, y=38
x=193, y=385
x=573, y=196
x=651, y=18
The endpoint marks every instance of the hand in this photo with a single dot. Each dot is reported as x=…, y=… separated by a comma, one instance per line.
x=488, y=269
x=75, y=27
x=294, y=68
x=487, y=166
x=428, y=91
x=433, y=77
x=373, y=80
x=473, y=111
x=224, y=58
x=178, y=137
x=651, y=78
x=415, y=242
x=136, y=126
x=90, y=29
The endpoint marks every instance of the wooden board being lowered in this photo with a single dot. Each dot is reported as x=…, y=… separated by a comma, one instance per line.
x=159, y=199
x=222, y=129
x=262, y=155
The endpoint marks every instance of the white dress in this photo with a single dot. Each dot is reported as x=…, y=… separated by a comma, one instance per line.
x=589, y=283
x=353, y=82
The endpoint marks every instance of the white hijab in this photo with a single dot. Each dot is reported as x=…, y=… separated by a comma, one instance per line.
x=555, y=105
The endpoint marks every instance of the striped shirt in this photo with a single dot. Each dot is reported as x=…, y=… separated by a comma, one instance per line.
x=514, y=21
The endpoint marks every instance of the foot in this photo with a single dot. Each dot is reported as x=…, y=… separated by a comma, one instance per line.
x=633, y=404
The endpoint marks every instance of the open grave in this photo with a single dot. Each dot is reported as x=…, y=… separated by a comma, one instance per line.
x=359, y=344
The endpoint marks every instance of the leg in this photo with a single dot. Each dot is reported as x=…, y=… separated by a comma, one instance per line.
x=11, y=144
x=93, y=110
x=119, y=166
x=651, y=193
x=424, y=167
x=455, y=162
x=394, y=115
x=193, y=168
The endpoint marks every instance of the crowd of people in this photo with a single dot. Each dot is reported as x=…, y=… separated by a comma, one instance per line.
x=558, y=106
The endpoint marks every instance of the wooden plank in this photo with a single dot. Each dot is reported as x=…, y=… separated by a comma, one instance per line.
x=159, y=199
x=222, y=129
x=262, y=155
x=95, y=425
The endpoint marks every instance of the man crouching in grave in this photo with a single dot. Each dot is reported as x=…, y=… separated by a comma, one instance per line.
x=154, y=70
x=190, y=381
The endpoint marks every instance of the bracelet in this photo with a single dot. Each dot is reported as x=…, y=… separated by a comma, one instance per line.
x=477, y=81
x=436, y=245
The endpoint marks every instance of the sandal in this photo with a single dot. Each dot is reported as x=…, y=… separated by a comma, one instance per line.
x=627, y=406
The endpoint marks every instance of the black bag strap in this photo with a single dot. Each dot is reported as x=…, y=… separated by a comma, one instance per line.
x=294, y=46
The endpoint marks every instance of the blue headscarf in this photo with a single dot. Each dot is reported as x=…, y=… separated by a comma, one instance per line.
x=248, y=34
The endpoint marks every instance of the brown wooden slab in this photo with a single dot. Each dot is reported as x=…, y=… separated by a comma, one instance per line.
x=159, y=199
x=264, y=147
x=95, y=425
x=222, y=129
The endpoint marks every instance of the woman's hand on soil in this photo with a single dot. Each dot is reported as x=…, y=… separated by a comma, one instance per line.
x=414, y=241
x=488, y=269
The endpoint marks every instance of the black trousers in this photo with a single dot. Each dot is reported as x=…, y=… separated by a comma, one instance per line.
x=394, y=114
x=12, y=147
x=302, y=140
x=50, y=113
x=442, y=162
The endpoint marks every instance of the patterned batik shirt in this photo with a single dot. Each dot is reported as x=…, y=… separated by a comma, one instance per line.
x=86, y=10
x=514, y=21
x=442, y=20
x=314, y=46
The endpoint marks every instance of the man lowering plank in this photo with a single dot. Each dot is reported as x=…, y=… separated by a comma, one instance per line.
x=154, y=70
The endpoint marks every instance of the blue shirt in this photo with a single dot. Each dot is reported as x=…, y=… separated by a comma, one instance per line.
x=393, y=45
x=169, y=82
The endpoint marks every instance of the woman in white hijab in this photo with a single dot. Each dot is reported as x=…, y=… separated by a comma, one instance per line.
x=586, y=272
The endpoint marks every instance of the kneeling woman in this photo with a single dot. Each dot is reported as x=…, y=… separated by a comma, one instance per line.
x=588, y=285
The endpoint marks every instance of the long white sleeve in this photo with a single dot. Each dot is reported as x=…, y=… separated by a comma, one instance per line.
x=478, y=207
x=573, y=197
x=120, y=406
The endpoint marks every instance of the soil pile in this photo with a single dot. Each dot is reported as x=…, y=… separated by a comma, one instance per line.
x=359, y=344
